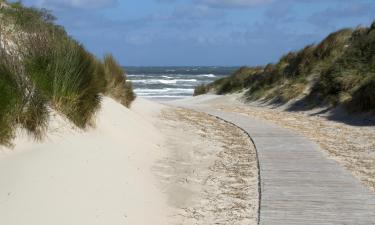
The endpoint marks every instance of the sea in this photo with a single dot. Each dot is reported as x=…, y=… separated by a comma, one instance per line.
x=169, y=83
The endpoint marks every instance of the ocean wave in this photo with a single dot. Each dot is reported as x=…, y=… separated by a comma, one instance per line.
x=207, y=75
x=168, y=85
x=164, y=91
x=162, y=81
x=164, y=96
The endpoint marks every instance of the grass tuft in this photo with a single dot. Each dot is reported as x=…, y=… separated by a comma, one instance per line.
x=10, y=100
x=65, y=76
x=116, y=84
x=339, y=70
x=200, y=90
x=42, y=68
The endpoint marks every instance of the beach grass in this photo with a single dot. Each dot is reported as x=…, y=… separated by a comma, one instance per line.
x=337, y=71
x=117, y=85
x=10, y=99
x=42, y=69
x=65, y=75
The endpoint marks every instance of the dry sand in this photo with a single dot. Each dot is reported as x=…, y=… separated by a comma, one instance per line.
x=137, y=167
x=210, y=177
x=102, y=176
x=352, y=146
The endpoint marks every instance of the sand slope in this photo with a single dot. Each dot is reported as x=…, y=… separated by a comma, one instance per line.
x=102, y=176
x=151, y=165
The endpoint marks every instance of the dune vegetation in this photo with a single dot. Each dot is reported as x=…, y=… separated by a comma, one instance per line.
x=43, y=69
x=340, y=70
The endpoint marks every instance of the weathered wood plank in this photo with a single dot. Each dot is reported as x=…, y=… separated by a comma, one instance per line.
x=299, y=184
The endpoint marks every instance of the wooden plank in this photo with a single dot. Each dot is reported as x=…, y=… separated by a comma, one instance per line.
x=299, y=184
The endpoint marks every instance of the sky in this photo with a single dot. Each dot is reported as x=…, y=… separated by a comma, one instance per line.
x=203, y=32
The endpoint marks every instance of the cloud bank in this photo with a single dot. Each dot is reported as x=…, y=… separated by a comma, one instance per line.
x=232, y=3
x=204, y=32
x=80, y=4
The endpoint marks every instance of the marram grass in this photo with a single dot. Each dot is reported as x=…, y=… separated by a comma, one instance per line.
x=66, y=78
x=116, y=84
x=46, y=69
x=340, y=70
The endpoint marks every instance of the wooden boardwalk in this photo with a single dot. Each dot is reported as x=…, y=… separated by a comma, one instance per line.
x=299, y=184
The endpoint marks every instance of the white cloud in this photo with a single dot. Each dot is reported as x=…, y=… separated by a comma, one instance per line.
x=76, y=3
x=233, y=3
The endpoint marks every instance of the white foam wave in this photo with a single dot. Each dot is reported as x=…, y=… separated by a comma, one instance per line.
x=207, y=75
x=161, y=81
x=166, y=96
x=164, y=91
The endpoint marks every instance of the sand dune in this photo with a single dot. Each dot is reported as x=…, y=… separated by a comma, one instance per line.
x=102, y=176
x=149, y=165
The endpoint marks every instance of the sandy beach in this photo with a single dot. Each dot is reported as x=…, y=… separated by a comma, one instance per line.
x=199, y=112
x=158, y=164
x=101, y=176
x=151, y=164
x=210, y=172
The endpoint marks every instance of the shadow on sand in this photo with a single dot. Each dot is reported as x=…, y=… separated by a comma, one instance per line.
x=338, y=114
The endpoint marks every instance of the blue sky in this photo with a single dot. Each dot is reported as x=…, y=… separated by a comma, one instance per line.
x=203, y=32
